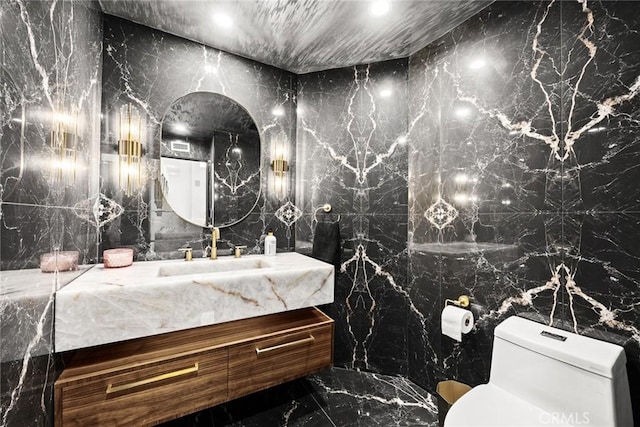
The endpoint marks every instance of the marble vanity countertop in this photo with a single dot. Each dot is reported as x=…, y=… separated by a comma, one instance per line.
x=26, y=310
x=107, y=305
x=30, y=283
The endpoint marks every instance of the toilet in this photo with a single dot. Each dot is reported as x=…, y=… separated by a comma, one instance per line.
x=543, y=376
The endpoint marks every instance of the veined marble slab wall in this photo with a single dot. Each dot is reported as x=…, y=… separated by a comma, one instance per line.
x=523, y=176
x=352, y=153
x=151, y=69
x=51, y=71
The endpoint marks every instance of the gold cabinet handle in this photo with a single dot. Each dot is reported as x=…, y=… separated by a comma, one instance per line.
x=123, y=387
x=307, y=340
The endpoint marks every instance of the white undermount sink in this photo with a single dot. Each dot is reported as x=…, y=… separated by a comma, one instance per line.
x=107, y=305
x=182, y=268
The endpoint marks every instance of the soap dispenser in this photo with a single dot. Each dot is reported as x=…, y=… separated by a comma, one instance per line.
x=270, y=244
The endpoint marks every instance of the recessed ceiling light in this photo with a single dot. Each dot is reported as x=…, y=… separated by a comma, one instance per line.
x=223, y=20
x=461, y=198
x=278, y=111
x=180, y=128
x=379, y=8
x=461, y=178
x=462, y=112
x=477, y=63
x=386, y=92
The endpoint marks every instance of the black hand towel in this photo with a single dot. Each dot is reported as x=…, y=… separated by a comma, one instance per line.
x=326, y=243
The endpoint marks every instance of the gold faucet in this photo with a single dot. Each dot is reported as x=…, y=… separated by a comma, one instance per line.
x=215, y=235
x=188, y=253
x=238, y=251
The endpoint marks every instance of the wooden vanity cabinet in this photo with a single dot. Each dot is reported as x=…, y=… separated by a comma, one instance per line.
x=155, y=379
x=273, y=360
x=152, y=392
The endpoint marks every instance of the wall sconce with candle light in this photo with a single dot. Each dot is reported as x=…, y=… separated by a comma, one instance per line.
x=129, y=149
x=280, y=164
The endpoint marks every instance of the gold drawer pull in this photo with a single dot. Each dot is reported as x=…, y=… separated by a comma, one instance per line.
x=123, y=387
x=307, y=340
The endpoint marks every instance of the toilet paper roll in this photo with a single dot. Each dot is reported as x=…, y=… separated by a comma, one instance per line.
x=456, y=321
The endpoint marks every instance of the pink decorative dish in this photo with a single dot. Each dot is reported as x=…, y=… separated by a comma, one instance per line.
x=119, y=257
x=60, y=261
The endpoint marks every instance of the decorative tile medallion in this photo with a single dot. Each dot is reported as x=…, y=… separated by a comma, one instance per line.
x=288, y=214
x=441, y=214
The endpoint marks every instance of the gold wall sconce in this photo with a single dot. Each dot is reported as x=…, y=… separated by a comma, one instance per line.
x=64, y=146
x=129, y=149
x=279, y=165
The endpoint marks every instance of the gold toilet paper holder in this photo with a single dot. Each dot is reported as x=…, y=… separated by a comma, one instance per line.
x=462, y=301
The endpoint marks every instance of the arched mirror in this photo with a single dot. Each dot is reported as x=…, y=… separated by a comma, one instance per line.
x=210, y=160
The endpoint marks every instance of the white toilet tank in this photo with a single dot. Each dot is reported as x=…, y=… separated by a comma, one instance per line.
x=576, y=379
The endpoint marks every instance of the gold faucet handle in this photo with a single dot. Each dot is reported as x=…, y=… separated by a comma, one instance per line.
x=238, y=251
x=188, y=253
x=215, y=235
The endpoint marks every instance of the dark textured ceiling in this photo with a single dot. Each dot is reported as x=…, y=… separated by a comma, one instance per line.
x=303, y=35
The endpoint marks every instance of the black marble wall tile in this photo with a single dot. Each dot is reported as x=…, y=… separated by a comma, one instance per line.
x=151, y=69
x=603, y=274
x=50, y=79
x=521, y=140
x=370, y=307
x=423, y=341
x=352, y=122
x=504, y=272
x=352, y=153
x=601, y=105
x=30, y=231
x=47, y=80
x=33, y=403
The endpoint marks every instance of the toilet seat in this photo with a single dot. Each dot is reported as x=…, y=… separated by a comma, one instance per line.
x=490, y=406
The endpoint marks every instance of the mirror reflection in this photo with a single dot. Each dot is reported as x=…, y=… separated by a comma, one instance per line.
x=210, y=159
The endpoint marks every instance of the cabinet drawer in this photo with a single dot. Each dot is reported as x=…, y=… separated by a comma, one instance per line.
x=268, y=362
x=148, y=395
